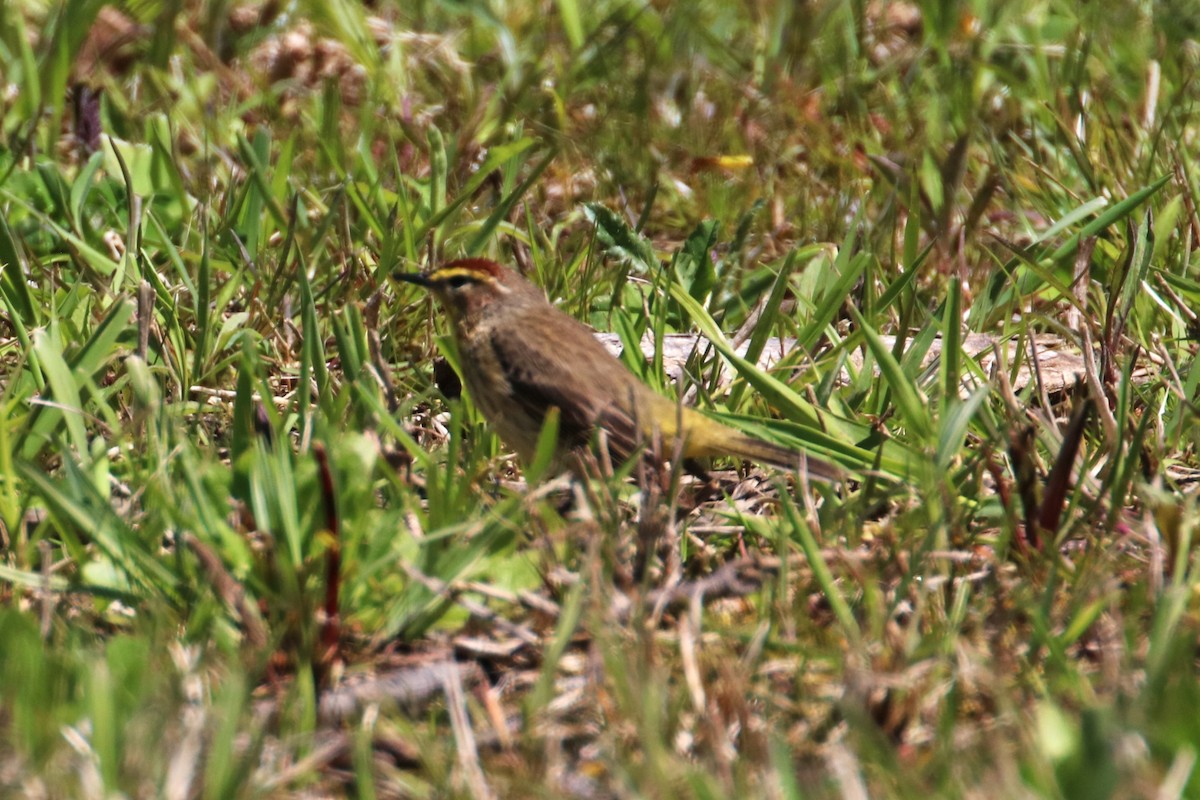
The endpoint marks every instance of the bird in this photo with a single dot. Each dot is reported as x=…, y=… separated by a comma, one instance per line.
x=520, y=356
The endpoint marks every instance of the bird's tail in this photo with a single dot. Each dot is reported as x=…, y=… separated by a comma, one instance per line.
x=715, y=439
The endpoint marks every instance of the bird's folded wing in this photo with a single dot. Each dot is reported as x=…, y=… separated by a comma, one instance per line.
x=540, y=379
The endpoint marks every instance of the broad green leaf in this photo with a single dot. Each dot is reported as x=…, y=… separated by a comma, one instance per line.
x=619, y=240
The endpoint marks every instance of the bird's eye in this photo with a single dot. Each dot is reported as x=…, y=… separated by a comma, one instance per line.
x=458, y=281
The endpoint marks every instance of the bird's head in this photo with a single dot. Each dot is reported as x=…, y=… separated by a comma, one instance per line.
x=468, y=286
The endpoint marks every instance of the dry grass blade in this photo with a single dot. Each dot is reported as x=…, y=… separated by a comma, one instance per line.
x=464, y=735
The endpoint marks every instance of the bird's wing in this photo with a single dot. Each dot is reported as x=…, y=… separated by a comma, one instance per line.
x=544, y=374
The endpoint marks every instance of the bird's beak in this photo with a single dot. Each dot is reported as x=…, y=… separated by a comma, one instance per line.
x=418, y=278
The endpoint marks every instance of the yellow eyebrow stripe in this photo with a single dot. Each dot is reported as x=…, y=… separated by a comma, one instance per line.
x=446, y=273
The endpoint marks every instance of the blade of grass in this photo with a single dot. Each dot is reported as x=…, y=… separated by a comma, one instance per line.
x=821, y=574
x=909, y=403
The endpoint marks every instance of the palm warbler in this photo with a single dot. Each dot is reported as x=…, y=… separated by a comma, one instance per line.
x=520, y=356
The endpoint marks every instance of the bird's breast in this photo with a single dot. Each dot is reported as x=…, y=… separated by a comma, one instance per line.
x=482, y=373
